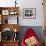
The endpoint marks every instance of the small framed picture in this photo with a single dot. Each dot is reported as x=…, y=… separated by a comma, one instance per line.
x=29, y=13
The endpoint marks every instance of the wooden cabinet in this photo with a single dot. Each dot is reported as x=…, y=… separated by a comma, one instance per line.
x=9, y=23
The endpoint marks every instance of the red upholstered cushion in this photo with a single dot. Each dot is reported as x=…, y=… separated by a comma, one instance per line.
x=29, y=33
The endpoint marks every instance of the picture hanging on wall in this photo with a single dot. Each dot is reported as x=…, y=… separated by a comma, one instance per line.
x=29, y=13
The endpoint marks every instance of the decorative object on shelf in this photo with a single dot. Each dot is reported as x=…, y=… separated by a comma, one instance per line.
x=6, y=21
x=5, y=12
x=15, y=30
x=7, y=34
x=29, y=13
x=15, y=3
x=13, y=12
x=15, y=34
x=15, y=37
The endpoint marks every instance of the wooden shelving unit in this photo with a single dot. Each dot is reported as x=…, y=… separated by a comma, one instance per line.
x=5, y=12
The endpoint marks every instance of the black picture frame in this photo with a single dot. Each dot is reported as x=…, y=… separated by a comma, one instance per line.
x=29, y=13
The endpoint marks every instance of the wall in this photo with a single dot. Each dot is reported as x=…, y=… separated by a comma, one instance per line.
x=27, y=4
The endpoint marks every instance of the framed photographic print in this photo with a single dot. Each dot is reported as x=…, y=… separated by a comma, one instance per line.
x=29, y=13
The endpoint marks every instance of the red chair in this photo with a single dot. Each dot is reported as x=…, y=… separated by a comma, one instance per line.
x=29, y=33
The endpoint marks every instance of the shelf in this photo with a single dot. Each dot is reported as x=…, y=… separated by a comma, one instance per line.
x=10, y=26
x=11, y=41
x=5, y=8
x=6, y=12
x=7, y=16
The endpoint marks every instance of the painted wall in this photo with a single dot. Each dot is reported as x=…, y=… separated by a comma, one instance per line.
x=27, y=4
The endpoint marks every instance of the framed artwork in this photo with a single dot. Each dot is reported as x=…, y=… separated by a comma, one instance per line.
x=29, y=13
